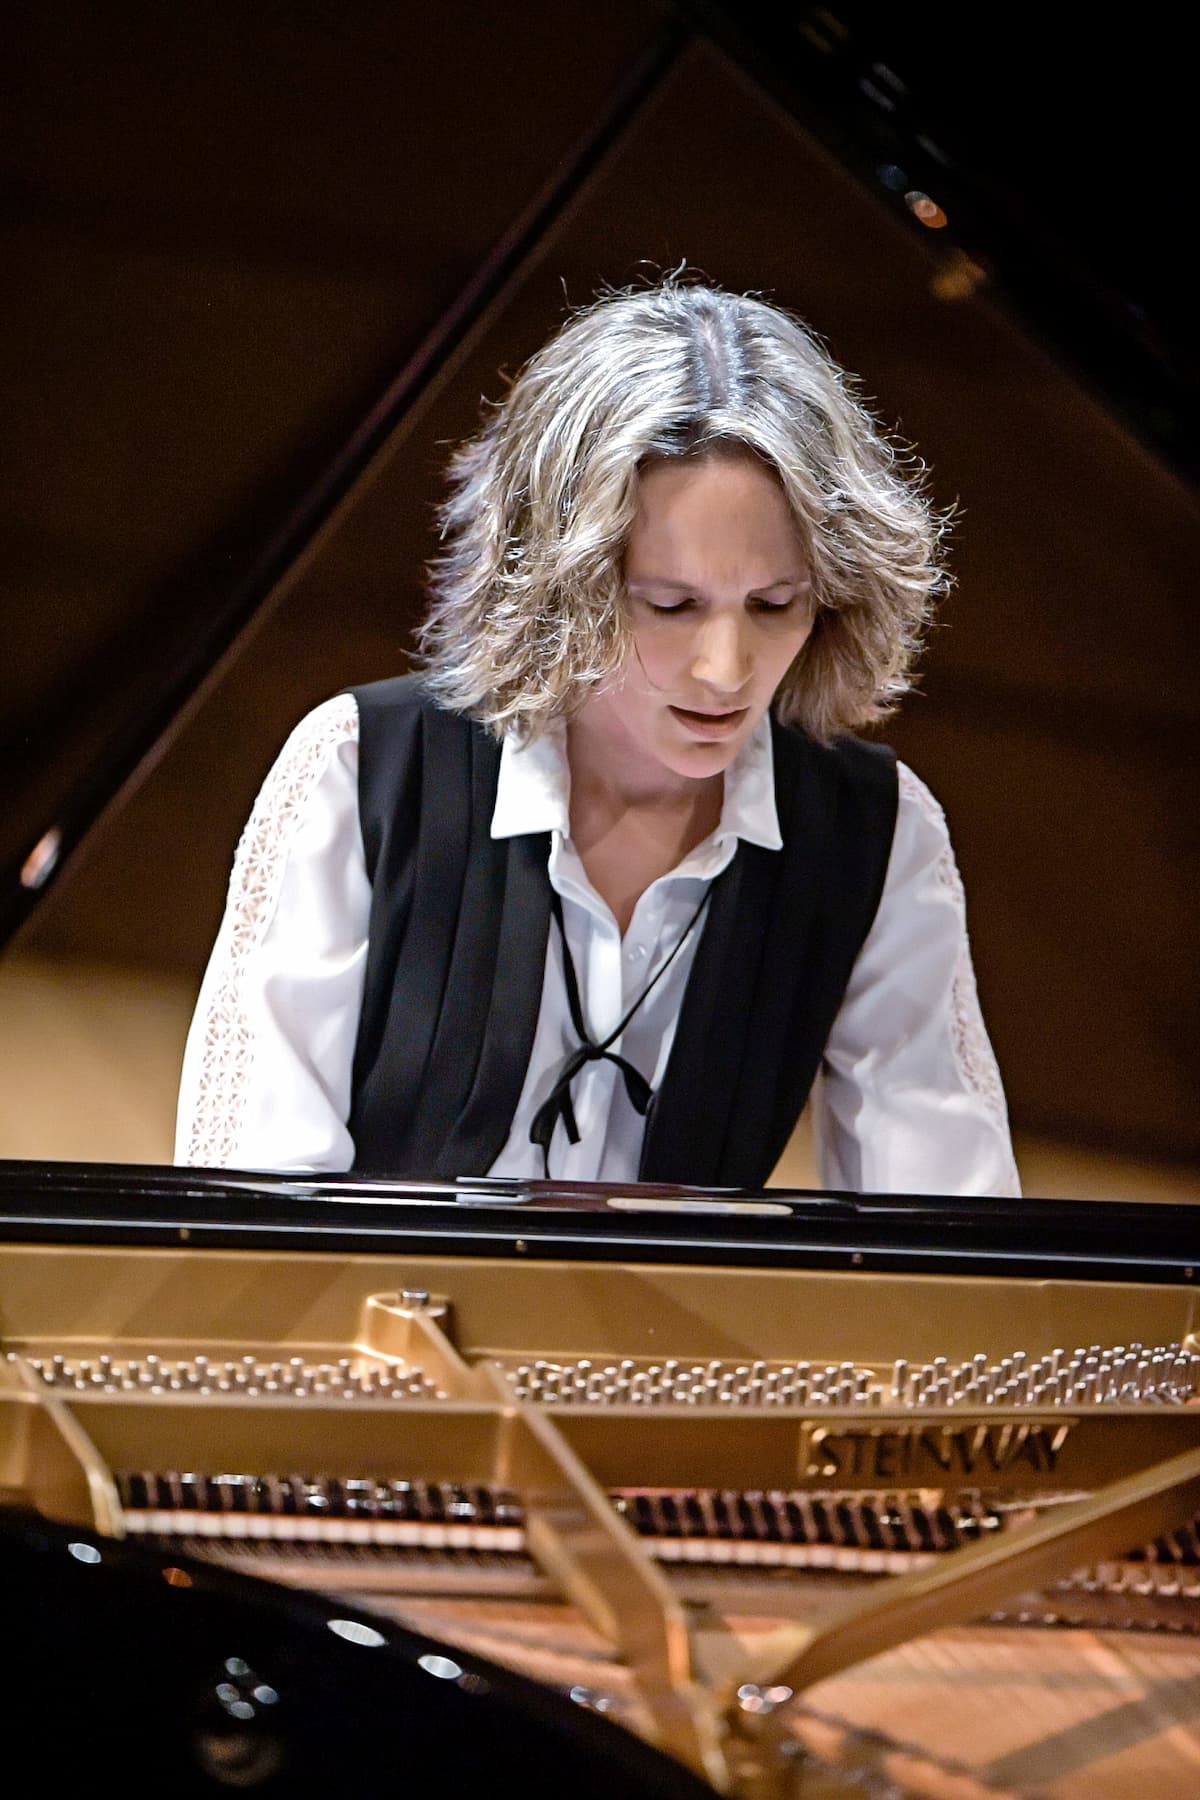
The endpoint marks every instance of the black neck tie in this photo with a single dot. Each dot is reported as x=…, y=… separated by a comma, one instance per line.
x=557, y=1104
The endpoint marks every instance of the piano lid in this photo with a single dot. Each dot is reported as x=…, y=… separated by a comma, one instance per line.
x=1052, y=156
x=256, y=254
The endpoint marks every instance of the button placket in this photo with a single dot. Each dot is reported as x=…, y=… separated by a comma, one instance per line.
x=604, y=986
x=644, y=935
x=603, y=990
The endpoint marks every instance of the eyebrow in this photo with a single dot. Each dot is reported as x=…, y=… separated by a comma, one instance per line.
x=688, y=587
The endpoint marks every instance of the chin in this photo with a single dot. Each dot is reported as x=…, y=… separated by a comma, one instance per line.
x=698, y=762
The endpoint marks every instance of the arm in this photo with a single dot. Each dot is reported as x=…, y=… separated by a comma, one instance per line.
x=909, y=1099
x=267, y=1068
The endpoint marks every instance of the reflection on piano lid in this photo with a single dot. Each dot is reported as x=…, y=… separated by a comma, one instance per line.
x=184, y=1678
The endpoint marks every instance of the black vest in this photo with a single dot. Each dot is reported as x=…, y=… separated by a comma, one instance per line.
x=457, y=952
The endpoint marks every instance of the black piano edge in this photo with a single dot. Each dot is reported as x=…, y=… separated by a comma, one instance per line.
x=141, y=1204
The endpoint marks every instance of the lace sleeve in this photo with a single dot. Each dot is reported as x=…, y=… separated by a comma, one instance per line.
x=973, y=1052
x=911, y=1099
x=296, y=904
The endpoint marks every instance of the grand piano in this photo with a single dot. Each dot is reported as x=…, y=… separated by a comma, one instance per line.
x=782, y=1487
x=317, y=1481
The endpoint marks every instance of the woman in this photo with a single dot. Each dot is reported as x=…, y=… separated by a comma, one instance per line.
x=608, y=888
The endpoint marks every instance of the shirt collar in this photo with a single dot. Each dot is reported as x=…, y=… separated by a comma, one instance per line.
x=533, y=792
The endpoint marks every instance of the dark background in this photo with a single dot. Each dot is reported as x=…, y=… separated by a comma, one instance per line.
x=229, y=226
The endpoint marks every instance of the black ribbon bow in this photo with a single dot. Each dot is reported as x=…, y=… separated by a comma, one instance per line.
x=557, y=1104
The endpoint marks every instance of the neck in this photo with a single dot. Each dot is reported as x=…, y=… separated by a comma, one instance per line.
x=682, y=816
x=630, y=830
x=603, y=772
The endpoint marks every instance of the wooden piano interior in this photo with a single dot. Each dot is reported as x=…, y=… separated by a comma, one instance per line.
x=795, y=1526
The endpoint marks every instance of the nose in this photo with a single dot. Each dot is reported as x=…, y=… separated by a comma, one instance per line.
x=721, y=658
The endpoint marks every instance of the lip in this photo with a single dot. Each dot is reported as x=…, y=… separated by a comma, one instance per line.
x=711, y=726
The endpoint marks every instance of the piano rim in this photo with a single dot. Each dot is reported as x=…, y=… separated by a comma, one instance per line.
x=139, y=1204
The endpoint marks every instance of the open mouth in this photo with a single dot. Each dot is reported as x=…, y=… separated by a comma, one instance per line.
x=710, y=724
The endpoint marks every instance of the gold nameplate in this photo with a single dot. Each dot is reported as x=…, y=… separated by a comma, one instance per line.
x=986, y=1453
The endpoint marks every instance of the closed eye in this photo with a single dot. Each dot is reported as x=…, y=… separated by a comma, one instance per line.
x=685, y=604
x=780, y=600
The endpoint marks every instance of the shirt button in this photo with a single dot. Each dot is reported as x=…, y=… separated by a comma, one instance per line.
x=635, y=953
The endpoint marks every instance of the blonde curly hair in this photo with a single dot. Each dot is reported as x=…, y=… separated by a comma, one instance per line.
x=528, y=615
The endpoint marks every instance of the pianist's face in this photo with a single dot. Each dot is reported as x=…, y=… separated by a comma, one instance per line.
x=717, y=587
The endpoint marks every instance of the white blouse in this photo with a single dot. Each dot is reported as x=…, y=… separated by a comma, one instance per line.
x=909, y=1097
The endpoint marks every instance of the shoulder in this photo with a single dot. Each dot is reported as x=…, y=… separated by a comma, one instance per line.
x=405, y=698
x=845, y=757
x=396, y=697
x=332, y=722
x=401, y=719
x=917, y=799
x=307, y=801
x=919, y=813
x=325, y=738
x=923, y=860
x=320, y=750
x=357, y=711
x=854, y=778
